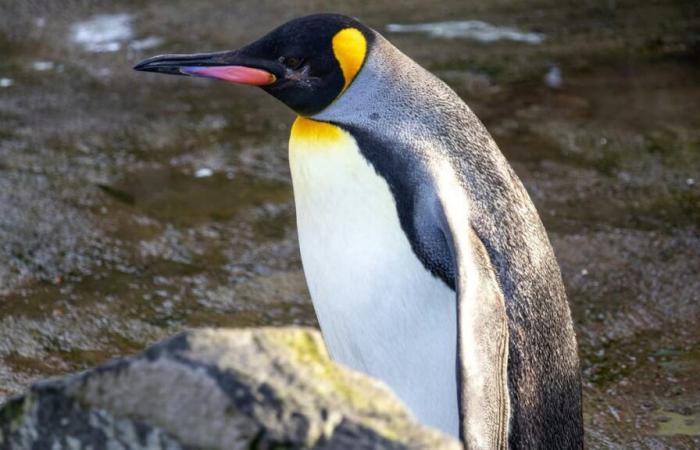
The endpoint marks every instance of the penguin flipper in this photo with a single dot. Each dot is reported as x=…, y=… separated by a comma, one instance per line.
x=482, y=332
x=482, y=351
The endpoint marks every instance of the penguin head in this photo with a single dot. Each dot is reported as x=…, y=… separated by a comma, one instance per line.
x=306, y=63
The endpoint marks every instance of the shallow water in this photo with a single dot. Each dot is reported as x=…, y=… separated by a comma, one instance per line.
x=467, y=29
x=134, y=205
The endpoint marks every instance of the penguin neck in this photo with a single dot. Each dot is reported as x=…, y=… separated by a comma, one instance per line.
x=378, y=90
x=388, y=85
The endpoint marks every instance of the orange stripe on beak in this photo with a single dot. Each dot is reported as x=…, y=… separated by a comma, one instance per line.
x=232, y=74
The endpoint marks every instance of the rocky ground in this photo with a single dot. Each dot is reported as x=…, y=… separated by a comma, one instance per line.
x=133, y=206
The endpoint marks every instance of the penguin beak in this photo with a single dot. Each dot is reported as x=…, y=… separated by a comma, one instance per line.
x=231, y=66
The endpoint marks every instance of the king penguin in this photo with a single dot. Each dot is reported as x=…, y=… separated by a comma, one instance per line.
x=427, y=263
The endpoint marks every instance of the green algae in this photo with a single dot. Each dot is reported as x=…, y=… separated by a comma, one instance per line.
x=308, y=350
x=672, y=424
x=15, y=413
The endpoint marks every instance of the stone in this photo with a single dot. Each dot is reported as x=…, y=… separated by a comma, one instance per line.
x=260, y=388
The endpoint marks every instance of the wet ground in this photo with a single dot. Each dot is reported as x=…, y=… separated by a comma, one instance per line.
x=134, y=205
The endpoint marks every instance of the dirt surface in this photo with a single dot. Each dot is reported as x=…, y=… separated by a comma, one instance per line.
x=134, y=205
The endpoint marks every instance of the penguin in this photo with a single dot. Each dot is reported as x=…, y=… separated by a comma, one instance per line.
x=427, y=263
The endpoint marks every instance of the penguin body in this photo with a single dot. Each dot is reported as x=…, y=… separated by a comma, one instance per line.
x=427, y=263
x=423, y=139
x=380, y=310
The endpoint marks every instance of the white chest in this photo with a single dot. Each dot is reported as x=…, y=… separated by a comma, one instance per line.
x=380, y=310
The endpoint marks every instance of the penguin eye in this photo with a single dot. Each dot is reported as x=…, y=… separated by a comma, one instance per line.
x=292, y=62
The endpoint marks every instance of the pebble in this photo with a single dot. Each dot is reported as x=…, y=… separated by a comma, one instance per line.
x=203, y=172
x=554, y=78
x=42, y=66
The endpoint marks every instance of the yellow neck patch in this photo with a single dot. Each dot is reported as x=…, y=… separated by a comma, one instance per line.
x=313, y=130
x=350, y=49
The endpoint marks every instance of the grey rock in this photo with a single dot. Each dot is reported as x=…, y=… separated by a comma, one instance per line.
x=217, y=389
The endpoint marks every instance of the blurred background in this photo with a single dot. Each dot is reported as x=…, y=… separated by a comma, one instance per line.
x=134, y=205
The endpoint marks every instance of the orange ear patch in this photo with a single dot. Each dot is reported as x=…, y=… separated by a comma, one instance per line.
x=350, y=49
